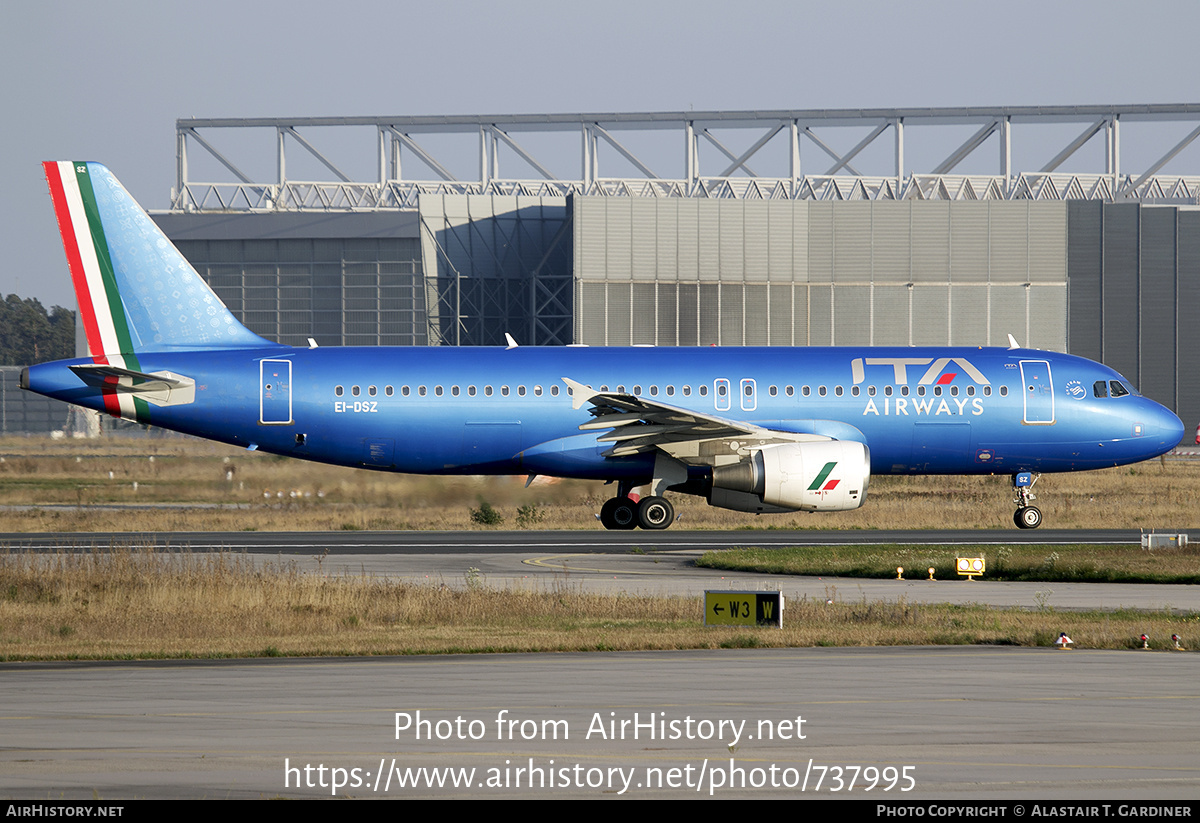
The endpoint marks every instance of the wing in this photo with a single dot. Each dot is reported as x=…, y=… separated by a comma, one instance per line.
x=640, y=424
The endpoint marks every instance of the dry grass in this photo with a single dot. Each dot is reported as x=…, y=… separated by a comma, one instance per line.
x=139, y=603
x=1078, y=564
x=268, y=493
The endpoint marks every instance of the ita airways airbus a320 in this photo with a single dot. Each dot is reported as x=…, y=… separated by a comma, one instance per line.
x=749, y=429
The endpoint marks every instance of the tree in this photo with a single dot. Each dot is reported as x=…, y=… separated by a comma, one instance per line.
x=29, y=335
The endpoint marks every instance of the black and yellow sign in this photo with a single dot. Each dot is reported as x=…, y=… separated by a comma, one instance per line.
x=970, y=567
x=743, y=608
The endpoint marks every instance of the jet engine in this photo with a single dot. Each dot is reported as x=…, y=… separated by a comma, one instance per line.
x=822, y=476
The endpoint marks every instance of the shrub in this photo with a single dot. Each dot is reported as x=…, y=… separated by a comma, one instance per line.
x=529, y=515
x=485, y=515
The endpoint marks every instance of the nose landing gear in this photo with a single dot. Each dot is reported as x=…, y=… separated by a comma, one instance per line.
x=1026, y=516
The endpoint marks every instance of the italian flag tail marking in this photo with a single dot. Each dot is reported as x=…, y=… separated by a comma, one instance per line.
x=100, y=308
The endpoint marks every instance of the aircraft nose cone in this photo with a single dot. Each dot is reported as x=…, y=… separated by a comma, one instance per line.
x=1162, y=427
x=1170, y=426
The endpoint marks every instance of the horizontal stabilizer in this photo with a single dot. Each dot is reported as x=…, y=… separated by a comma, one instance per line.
x=162, y=388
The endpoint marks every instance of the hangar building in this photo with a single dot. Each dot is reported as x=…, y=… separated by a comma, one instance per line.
x=770, y=234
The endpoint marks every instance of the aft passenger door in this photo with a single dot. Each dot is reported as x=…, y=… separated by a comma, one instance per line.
x=275, y=392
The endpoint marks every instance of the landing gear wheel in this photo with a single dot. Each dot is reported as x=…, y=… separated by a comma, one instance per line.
x=1028, y=517
x=619, y=513
x=655, y=513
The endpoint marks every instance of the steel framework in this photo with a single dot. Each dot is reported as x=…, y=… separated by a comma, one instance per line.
x=718, y=171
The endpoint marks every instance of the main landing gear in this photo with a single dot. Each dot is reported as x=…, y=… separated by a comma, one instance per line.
x=652, y=512
x=1026, y=516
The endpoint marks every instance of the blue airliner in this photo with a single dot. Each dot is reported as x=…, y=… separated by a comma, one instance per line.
x=749, y=429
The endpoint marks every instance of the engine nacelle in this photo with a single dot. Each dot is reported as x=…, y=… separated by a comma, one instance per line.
x=824, y=476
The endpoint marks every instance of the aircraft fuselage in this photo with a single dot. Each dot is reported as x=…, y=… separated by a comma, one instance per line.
x=491, y=410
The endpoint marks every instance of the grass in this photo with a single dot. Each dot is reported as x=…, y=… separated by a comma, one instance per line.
x=1078, y=563
x=136, y=604
x=194, y=485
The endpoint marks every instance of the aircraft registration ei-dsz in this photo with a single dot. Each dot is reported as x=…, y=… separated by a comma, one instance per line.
x=749, y=429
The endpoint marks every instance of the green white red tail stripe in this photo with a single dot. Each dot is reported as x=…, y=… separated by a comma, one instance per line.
x=100, y=309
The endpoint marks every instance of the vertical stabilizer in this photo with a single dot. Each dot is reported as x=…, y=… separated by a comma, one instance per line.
x=136, y=292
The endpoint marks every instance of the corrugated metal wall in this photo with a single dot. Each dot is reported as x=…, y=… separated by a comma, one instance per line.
x=1135, y=297
x=340, y=291
x=23, y=412
x=744, y=272
x=1187, y=313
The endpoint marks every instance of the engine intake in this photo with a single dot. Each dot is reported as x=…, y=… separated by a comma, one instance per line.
x=813, y=477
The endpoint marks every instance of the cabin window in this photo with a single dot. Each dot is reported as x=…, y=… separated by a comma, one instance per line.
x=470, y=391
x=837, y=390
x=454, y=391
x=421, y=391
x=354, y=390
x=904, y=391
x=404, y=390
x=554, y=391
x=437, y=390
x=504, y=391
x=371, y=391
x=773, y=391
x=389, y=391
x=954, y=391
x=1004, y=391
x=487, y=390
x=537, y=391
x=604, y=388
x=920, y=391
x=789, y=391
x=937, y=391
x=721, y=389
x=806, y=391
x=854, y=390
x=703, y=391
x=687, y=391
x=987, y=391
x=670, y=391
x=887, y=391
x=821, y=390
x=637, y=389
x=337, y=391
x=521, y=391
x=970, y=391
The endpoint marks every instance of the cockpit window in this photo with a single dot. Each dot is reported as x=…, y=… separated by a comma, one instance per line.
x=1118, y=389
x=1100, y=388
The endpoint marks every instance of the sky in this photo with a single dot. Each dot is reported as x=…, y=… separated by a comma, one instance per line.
x=106, y=81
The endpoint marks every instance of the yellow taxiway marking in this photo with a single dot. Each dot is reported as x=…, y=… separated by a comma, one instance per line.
x=556, y=561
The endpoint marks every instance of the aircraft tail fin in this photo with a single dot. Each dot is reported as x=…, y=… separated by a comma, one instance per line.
x=136, y=292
